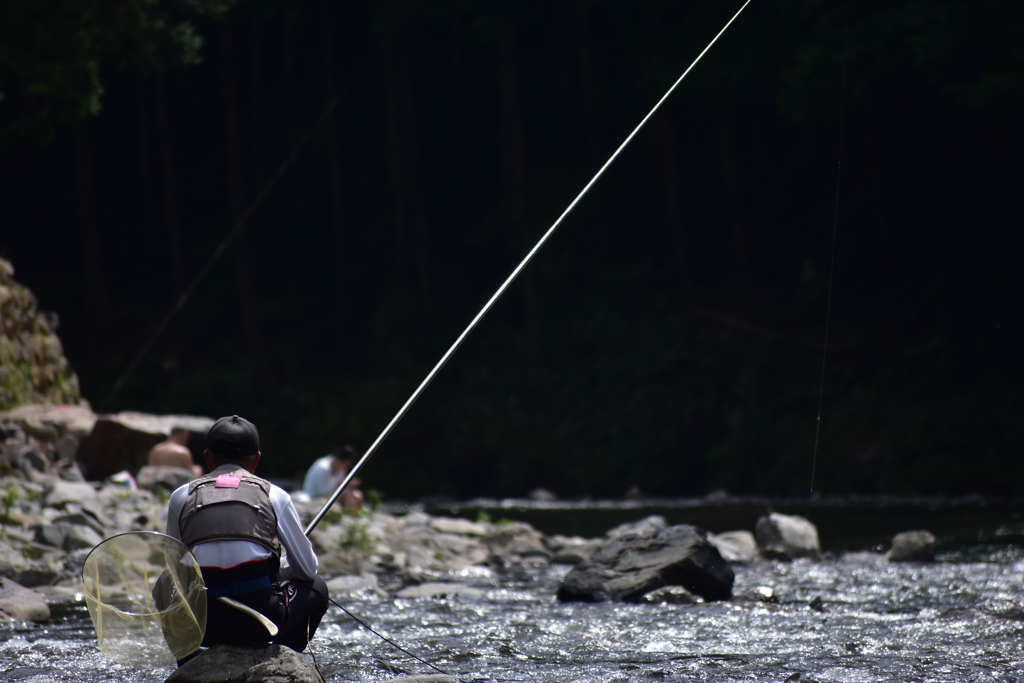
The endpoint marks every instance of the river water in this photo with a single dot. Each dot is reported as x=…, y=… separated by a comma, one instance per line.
x=959, y=619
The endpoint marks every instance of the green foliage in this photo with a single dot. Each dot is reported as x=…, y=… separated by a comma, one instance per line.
x=357, y=537
x=483, y=517
x=373, y=498
x=53, y=54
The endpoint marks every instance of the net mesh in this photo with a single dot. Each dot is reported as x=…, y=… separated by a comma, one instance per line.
x=146, y=598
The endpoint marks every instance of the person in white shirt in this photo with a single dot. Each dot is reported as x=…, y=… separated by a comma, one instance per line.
x=326, y=474
x=247, y=538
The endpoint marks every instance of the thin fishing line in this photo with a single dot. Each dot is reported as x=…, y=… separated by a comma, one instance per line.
x=222, y=247
x=501, y=290
x=832, y=263
x=385, y=638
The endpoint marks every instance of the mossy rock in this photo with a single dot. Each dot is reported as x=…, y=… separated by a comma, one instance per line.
x=33, y=368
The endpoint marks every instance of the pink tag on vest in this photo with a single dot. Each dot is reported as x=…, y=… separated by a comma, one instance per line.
x=228, y=481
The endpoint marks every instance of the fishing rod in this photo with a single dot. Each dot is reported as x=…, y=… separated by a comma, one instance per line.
x=501, y=290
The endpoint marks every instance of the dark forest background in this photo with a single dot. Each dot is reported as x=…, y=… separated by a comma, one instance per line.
x=669, y=337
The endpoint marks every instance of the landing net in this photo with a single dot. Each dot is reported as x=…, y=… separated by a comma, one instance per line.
x=146, y=598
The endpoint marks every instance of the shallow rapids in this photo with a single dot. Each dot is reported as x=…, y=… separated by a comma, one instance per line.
x=959, y=619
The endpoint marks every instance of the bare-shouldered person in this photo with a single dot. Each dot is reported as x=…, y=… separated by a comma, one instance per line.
x=174, y=452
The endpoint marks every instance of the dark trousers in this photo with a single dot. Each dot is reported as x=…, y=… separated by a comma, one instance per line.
x=296, y=607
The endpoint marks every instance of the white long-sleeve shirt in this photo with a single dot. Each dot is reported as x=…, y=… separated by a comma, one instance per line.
x=298, y=561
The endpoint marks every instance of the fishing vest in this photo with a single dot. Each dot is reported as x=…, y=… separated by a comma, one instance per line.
x=229, y=507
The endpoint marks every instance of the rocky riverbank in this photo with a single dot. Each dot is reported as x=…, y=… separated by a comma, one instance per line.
x=51, y=516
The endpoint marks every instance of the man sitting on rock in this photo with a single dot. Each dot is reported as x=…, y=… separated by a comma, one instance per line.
x=174, y=452
x=236, y=525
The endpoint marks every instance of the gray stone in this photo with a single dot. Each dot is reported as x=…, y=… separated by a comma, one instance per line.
x=439, y=590
x=454, y=525
x=647, y=525
x=632, y=565
x=67, y=537
x=67, y=447
x=912, y=546
x=76, y=420
x=353, y=585
x=670, y=595
x=736, y=546
x=71, y=472
x=153, y=478
x=787, y=537
x=21, y=603
x=228, y=664
x=81, y=519
x=757, y=594
x=60, y=492
x=511, y=543
x=573, y=549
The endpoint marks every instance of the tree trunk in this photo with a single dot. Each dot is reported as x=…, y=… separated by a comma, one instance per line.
x=334, y=155
x=730, y=174
x=97, y=299
x=396, y=161
x=416, y=214
x=667, y=158
x=292, y=108
x=514, y=162
x=171, y=204
x=244, y=266
x=587, y=78
x=146, y=167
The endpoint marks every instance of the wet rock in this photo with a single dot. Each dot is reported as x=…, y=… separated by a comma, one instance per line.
x=647, y=525
x=735, y=546
x=787, y=537
x=632, y=565
x=429, y=678
x=153, y=478
x=572, y=549
x=757, y=594
x=228, y=664
x=21, y=603
x=29, y=564
x=670, y=595
x=122, y=441
x=67, y=537
x=438, y=590
x=817, y=604
x=354, y=585
x=912, y=546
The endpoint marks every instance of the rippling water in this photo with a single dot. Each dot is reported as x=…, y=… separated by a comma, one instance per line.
x=959, y=619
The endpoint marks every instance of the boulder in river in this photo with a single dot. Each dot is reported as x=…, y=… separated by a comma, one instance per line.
x=912, y=546
x=632, y=565
x=787, y=537
x=22, y=604
x=735, y=546
x=229, y=664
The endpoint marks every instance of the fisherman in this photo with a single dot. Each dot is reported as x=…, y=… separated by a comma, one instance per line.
x=326, y=474
x=174, y=452
x=236, y=525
